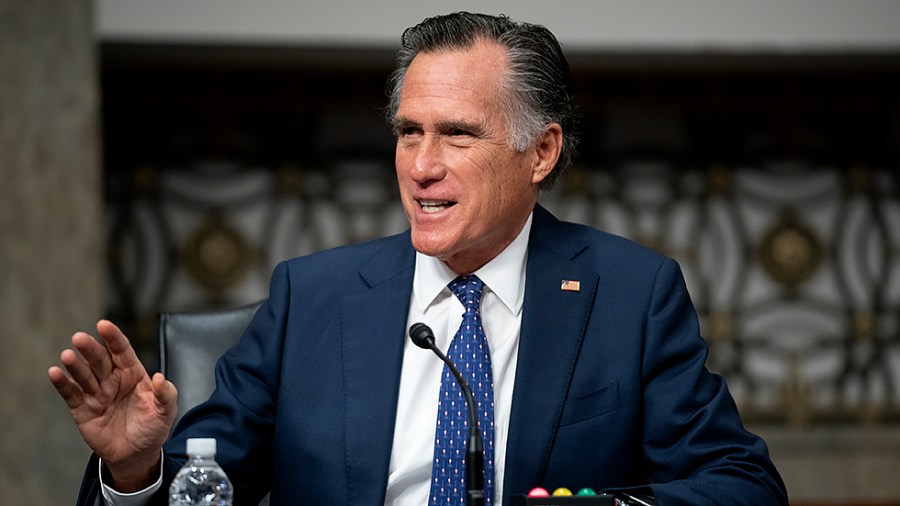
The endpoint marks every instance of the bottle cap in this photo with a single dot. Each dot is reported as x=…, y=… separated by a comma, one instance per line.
x=205, y=446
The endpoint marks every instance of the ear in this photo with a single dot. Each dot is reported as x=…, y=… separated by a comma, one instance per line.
x=547, y=150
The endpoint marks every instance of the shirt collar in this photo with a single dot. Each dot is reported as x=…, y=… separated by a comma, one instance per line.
x=504, y=275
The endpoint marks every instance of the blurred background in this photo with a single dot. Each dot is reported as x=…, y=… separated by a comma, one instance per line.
x=165, y=155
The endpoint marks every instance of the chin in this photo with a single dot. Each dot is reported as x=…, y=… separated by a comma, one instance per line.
x=430, y=247
x=426, y=249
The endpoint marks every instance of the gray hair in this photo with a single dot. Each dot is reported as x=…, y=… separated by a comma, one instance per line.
x=538, y=81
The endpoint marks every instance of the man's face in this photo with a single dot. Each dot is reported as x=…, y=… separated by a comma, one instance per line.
x=466, y=193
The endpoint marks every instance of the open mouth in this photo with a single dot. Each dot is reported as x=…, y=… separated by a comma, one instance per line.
x=435, y=206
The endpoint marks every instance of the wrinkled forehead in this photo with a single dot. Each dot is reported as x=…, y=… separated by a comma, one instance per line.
x=479, y=69
x=483, y=65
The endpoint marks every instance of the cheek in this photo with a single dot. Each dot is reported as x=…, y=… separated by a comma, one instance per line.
x=400, y=163
x=510, y=181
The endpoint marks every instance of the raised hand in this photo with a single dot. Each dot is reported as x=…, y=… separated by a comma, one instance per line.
x=122, y=414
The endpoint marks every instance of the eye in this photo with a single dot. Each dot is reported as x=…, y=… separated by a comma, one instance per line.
x=403, y=129
x=459, y=132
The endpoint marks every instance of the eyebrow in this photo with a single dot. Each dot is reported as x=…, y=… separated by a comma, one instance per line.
x=466, y=126
x=400, y=122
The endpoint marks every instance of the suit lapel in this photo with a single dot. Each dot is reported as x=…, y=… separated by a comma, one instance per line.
x=553, y=325
x=373, y=331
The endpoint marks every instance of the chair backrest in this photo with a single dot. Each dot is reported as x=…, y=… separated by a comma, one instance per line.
x=190, y=344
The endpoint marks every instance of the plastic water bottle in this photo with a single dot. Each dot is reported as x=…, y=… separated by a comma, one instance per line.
x=201, y=482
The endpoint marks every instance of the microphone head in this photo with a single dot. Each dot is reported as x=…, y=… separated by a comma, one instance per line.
x=421, y=335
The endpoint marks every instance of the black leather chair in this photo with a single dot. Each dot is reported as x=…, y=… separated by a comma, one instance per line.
x=190, y=344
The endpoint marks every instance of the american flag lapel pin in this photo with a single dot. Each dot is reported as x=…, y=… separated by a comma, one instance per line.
x=570, y=285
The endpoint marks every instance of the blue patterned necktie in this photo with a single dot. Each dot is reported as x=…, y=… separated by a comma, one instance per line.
x=469, y=351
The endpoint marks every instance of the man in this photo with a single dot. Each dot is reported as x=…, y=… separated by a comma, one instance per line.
x=595, y=367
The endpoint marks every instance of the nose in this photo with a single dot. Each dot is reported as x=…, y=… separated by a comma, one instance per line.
x=427, y=161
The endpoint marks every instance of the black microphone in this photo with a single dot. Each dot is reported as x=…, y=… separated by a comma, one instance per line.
x=423, y=337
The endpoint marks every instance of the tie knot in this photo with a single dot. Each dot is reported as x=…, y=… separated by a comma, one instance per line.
x=468, y=290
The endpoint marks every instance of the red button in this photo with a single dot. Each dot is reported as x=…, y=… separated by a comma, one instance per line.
x=538, y=492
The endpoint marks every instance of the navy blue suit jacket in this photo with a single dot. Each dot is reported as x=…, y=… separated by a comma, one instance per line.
x=610, y=389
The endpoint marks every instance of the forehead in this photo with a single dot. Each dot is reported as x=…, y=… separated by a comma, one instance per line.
x=460, y=79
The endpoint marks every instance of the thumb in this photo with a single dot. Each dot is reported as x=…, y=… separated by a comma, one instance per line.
x=165, y=393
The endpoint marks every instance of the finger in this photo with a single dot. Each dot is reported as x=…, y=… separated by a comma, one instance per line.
x=66, y=387
x=78, y=368
x=120, y=349
x=97, y=356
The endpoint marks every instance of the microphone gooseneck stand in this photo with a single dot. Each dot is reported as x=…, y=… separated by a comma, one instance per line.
x=423, y=337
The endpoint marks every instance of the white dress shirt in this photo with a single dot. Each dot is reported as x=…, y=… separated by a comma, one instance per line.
x=434, y=304
x=409, y=481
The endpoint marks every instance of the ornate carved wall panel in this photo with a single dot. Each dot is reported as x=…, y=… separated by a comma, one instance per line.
x=794, y=270
x=777, y=193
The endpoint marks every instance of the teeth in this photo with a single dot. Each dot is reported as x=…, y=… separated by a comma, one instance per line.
x=433, y=206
